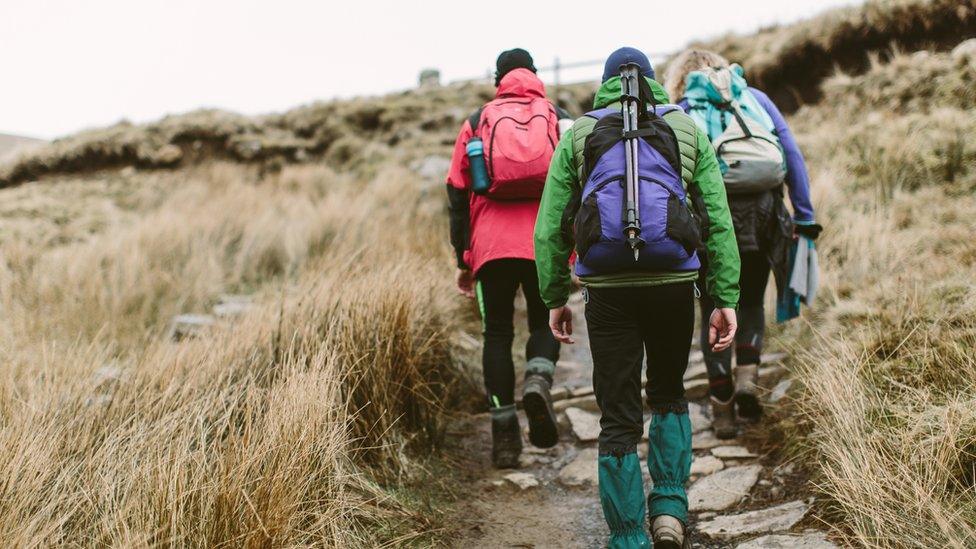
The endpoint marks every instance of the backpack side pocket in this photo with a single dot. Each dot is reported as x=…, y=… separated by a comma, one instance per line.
x=587, y=226
x=682, y=226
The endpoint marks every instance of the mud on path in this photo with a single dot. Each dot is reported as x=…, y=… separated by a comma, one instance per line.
x=739, y=498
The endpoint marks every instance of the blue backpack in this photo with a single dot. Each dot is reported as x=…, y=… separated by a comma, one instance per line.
x=670, y=232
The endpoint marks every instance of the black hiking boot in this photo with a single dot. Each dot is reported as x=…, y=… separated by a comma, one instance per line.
x=747, y=392
x=537, y=402
x=506, y=437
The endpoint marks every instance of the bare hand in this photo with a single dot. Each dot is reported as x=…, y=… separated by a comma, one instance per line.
x=465, y=283
x=561, y=324
x=721, y=329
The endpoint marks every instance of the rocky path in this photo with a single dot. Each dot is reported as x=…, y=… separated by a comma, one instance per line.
x=738, y=498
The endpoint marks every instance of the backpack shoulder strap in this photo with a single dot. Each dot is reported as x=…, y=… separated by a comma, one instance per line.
x=686, y=131
x=581, y=129
x=475, y=119
x=561, y=113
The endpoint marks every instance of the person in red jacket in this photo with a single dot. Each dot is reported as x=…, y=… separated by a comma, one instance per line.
x=492, y=238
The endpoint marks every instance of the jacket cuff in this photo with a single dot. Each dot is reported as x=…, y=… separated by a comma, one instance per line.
x=719, y=304
x=556, y=304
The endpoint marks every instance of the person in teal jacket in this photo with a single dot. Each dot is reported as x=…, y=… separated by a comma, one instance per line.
x=630, y=311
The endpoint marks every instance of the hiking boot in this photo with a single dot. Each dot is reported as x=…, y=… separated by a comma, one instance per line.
x=723, y=418
x=506, y=437
x=537, y=402
x=669, y=533
x=747, y=392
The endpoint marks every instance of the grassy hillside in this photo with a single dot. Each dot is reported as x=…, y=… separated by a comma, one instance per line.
x=309, y=419
x=358, y=134
x=789, y=62
x=888, y=405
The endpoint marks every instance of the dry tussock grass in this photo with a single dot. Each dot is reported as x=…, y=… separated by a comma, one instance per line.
x=286, y=428
x=886, y=361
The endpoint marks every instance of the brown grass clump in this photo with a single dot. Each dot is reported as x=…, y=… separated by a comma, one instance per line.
x=789, y=62
x=886, y=361
x=915, y=83
x=298, y=425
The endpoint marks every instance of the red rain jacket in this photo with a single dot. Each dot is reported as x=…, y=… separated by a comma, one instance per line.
x=499, y=228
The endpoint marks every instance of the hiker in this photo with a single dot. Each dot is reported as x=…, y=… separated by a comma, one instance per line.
x=638, y=301
x=499, y=166
x=757, y=156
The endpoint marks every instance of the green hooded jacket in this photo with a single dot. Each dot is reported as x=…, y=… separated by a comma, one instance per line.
x=700, y=173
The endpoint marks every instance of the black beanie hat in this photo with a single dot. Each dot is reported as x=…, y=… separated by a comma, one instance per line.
x=510, y=60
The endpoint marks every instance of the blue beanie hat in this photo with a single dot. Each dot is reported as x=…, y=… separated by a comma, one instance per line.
x=624, y=56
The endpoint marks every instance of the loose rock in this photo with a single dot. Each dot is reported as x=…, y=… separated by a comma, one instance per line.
x=706, y=465
x=532, y=450
x=695, y=371
x=230, y=306
x=705, y=441
x=559, y=393
x=586, y=425
x=771, y=375
x=699, y=420
x=779, y=391
x=696, y=389
x=723, y=489
x=527, y=460
x=814, y=540
x=774, y=519
x=582, y=471
x=186, y=326
x=584, y=402
x=581, y=391
x=732, y=452
x=524, y=481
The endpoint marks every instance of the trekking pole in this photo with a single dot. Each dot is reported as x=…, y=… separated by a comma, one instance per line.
x=630, y=107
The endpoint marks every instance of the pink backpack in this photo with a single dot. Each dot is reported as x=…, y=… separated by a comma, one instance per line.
x=519, y=136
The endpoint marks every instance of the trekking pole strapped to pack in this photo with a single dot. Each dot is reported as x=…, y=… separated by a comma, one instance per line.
x=631, y=106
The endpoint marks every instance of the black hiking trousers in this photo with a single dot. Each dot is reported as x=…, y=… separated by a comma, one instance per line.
x=498, y=283
x=752, y=324
x=623, y=324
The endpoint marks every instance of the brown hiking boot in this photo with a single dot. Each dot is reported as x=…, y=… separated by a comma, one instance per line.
x=537, y=402
x=506, y=437
x=668, y=532
x=723, y=418
x=747, y=392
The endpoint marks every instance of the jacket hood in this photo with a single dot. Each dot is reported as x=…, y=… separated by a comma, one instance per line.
x=521, y=83
x=609, y=93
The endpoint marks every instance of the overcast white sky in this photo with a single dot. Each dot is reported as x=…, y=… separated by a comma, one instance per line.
x=66, y=65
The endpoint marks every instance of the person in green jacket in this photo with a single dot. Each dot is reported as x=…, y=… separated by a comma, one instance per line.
x=629, y=310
